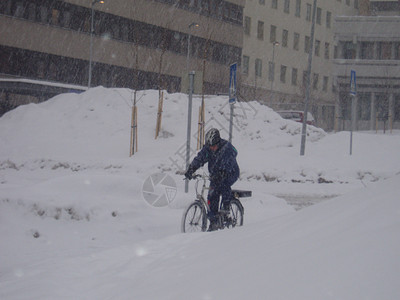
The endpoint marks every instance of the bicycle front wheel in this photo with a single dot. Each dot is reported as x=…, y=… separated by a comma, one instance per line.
x=194, y=218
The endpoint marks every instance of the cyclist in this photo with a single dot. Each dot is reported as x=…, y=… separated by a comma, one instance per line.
x=223, y=170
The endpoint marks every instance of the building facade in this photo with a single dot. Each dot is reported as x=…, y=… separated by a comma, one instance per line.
x=276, y=44
x=140, y=44
x=370, y=46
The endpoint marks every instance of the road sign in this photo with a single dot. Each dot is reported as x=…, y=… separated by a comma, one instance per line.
x=353, y=83
x=232, y=84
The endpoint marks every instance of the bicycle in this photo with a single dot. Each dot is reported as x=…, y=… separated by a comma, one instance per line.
x=195, y=216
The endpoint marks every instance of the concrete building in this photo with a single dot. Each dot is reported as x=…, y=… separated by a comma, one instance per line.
x=369, y=45
x=276, y=43
x=45, y=45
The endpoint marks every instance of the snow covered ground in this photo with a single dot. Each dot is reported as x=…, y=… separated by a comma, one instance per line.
x=74, y=223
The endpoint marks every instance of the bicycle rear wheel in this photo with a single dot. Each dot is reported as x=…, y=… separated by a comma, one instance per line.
x=194, y=218
x=236, y=213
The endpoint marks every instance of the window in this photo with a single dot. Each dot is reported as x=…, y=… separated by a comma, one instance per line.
x=32, y=12
x=397, y=51
x=356, y=4
x=246, y=61
x=307, y=44
x=326, y=52
x=66, y=19
x=396, y=107
x=247, y=25
x=272, y=35
x=367, y=50
x=349, y=50
x=296, y=41
x=55, y=16
x=167, y=39
x=286, y=6
x=364, y=106
x=294, y=76
x=348, y=2
x=325, y=83
x=274, y=4
x=317, y=47
x=328, y=19
x=298, y=8
x=305, y=78
x=308, y=12
x=384, y=50
x=19, y=11
x=262, y=2
x=283, y=73
x=315, y=81
x=43, y=14
x=382, y=105
x=271, y=71
x=285, y=36
x=345, y=105
x=258, y=67
x=319, y=16
x=260, y=30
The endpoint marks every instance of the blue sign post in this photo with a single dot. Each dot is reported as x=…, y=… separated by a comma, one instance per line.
x=353, y=83
x=232, y=83
x=353, y=93
x=232, y=95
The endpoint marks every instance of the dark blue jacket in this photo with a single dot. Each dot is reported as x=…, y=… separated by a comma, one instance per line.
x=223, y=160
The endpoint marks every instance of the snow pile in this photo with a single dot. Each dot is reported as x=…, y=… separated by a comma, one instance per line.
x=74, y=223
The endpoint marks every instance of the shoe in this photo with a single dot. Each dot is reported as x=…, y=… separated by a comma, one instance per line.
x=213, y=226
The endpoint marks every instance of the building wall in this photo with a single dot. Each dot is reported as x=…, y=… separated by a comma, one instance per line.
x=136, y=43
x=282, y=92
x=369, y=45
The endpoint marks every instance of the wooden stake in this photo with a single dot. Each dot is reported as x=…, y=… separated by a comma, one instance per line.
x=159, y=113
x=136, y=129
x=132, y=128
x=134, y=137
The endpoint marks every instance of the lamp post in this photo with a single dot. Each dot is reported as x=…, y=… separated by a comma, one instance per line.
x=188, y=47
x=273, y=70
x=190, y=92
x=306, y=101
x=94, y=2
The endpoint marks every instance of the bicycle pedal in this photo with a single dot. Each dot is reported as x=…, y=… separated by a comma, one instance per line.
x=224, y=211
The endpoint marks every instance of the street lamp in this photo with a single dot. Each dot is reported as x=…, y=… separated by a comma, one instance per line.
x=188, y=52
x=94, y=2
x=273, y=69
x=190, y=92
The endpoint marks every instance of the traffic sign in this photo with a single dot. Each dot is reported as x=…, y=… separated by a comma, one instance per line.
x=232, y=84
x=353, y=83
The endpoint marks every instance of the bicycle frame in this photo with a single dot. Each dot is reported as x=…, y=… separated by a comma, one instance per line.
x=200, y=195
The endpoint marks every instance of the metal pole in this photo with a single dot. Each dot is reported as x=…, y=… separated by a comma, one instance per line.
x=273, y=71
x=231, y=123
x=191, y=80
x=310, y=54
x=353, y=121
x=188, y=53
x=188, y=45
x=91, y=46
x=91, y=40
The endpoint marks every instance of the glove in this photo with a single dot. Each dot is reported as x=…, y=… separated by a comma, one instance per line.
x=189, y=173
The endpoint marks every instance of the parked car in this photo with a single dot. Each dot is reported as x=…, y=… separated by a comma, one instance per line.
x=297, y=115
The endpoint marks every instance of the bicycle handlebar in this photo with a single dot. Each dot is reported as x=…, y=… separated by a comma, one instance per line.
x=195, y=176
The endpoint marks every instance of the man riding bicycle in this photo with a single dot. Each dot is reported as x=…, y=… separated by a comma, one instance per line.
x=223, y=170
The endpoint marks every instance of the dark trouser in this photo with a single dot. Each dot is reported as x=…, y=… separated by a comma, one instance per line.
x=216, y=190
